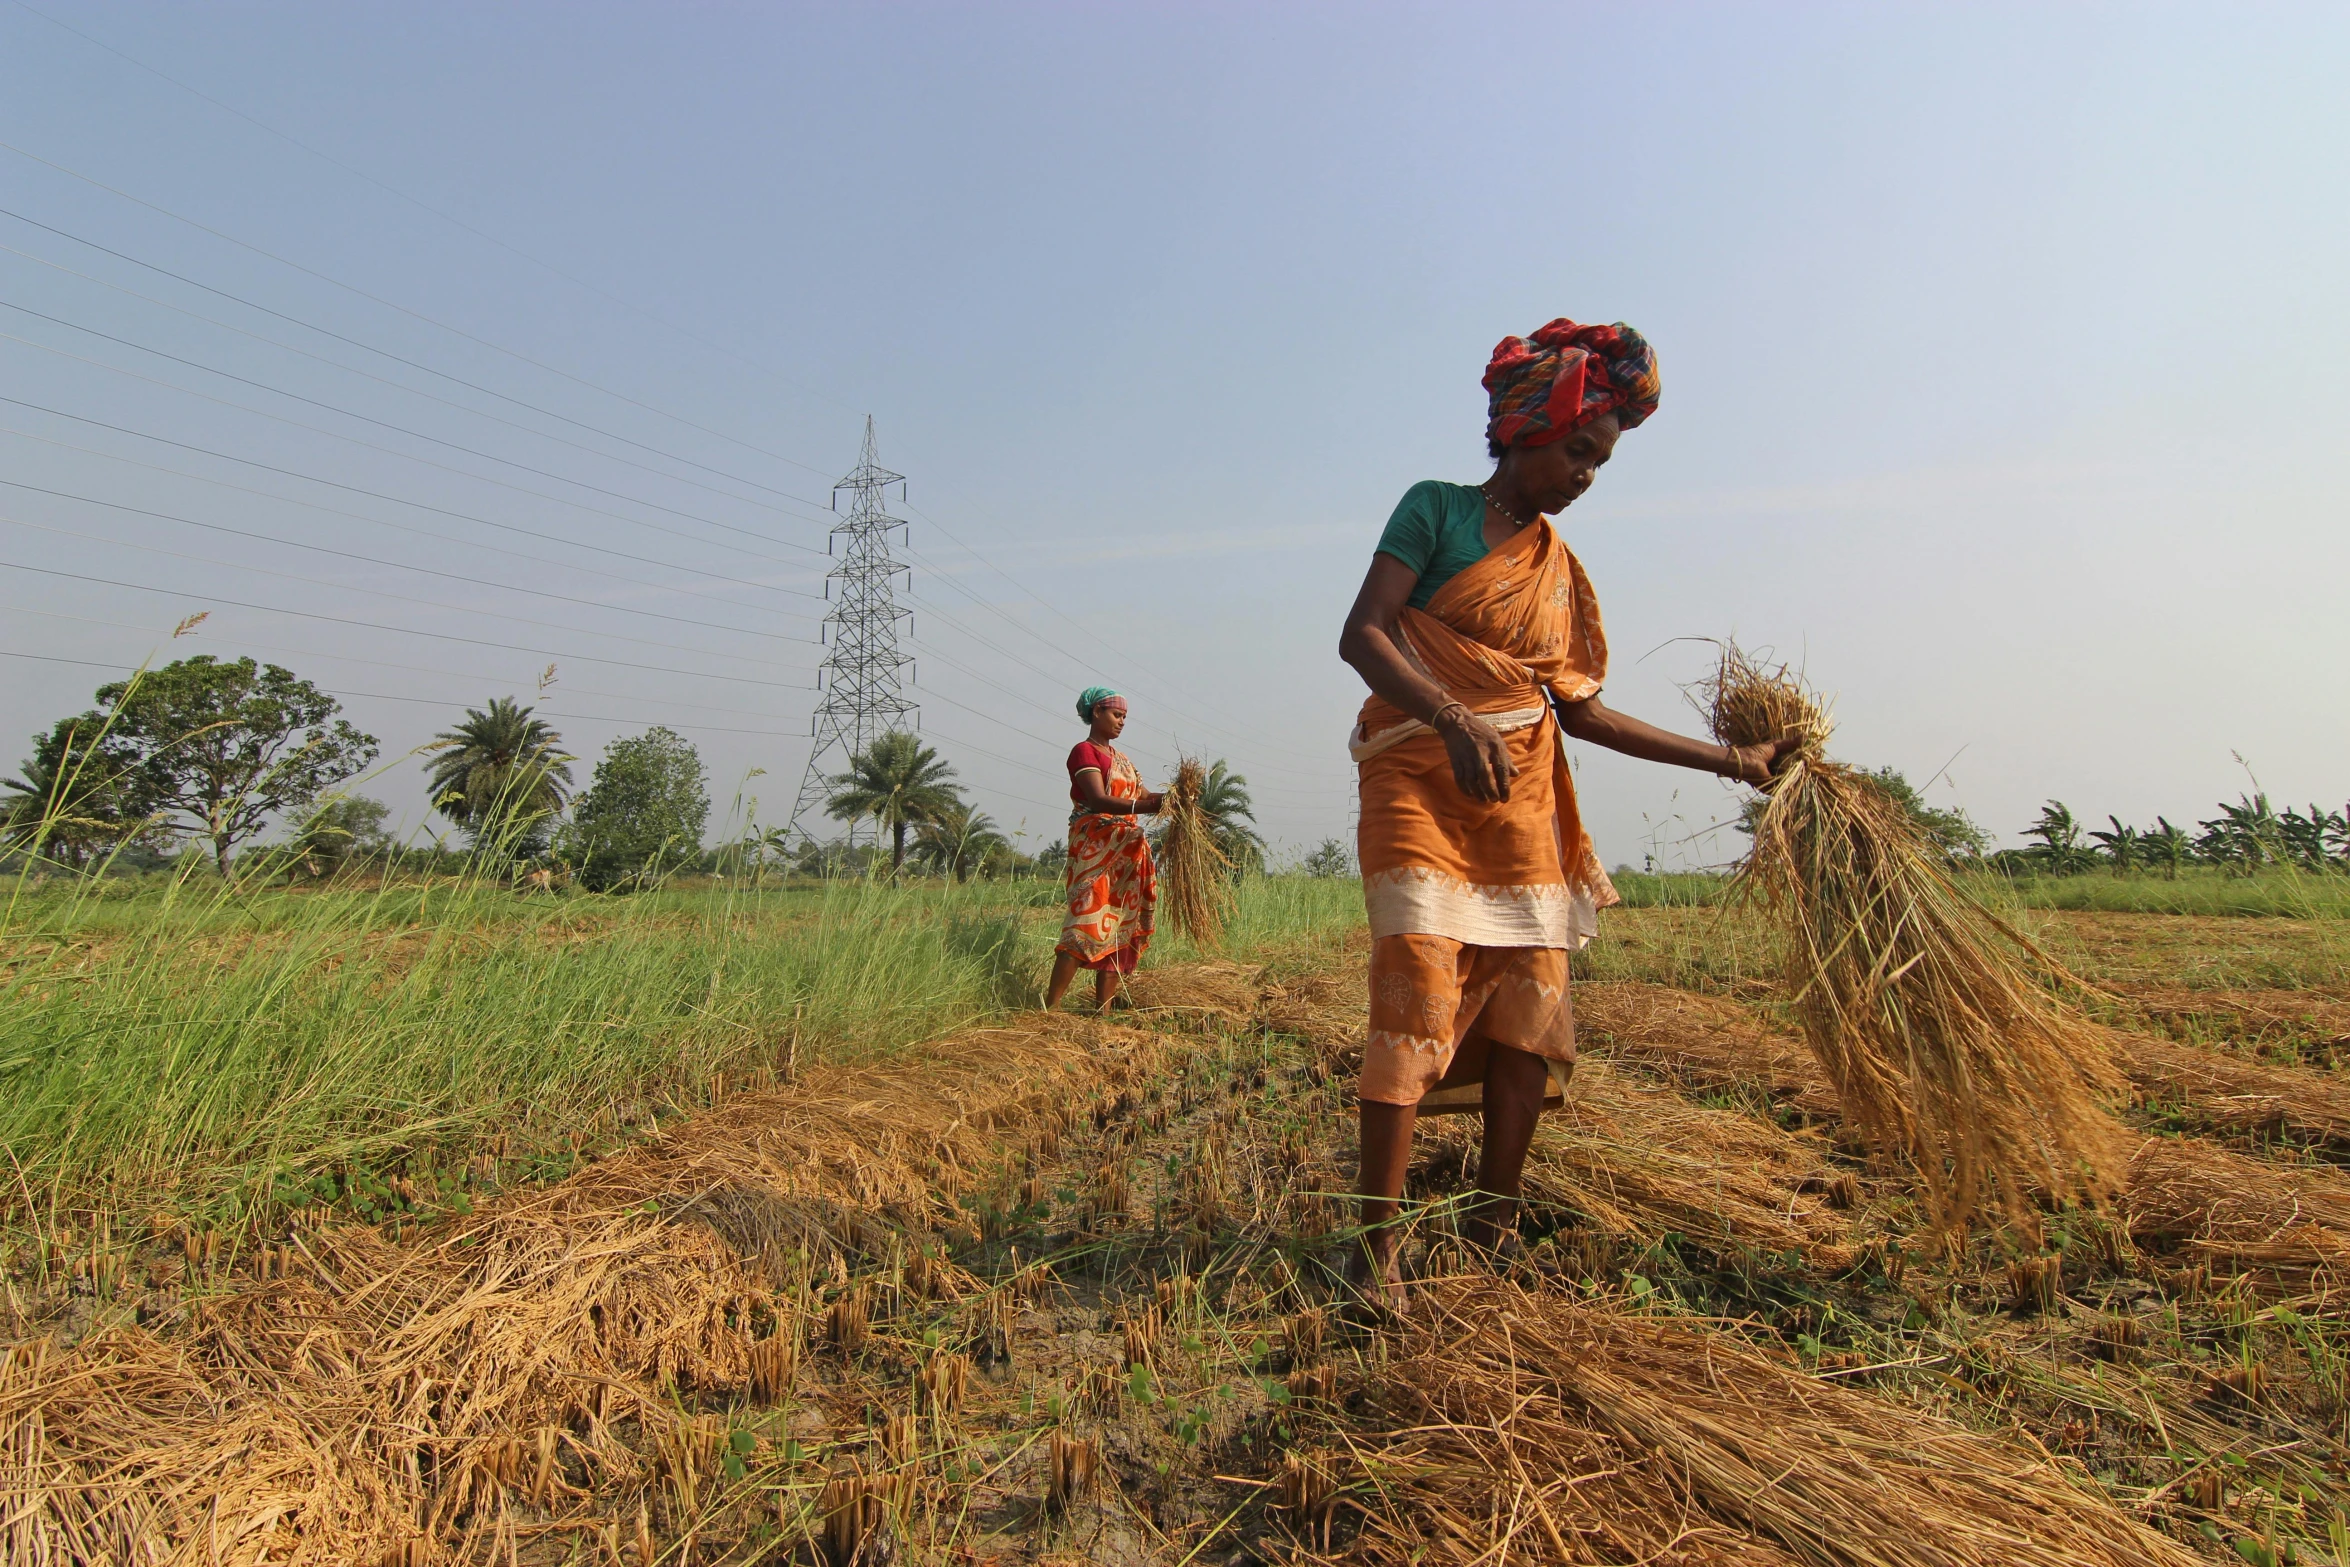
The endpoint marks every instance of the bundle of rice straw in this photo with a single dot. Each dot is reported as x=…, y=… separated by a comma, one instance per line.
x=1925, y=1009
x=1195, y=877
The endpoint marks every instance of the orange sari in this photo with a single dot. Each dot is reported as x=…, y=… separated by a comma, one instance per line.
x=1113, y=886
x=1475, y=906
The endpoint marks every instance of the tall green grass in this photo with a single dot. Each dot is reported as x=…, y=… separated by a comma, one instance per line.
x=2281, y=893
x=202, y=1047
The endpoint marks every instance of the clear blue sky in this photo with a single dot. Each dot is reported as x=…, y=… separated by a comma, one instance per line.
x=2004, y=366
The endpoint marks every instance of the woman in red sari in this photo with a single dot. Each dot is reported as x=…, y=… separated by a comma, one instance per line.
x=1480, y=638
x=1113, y=887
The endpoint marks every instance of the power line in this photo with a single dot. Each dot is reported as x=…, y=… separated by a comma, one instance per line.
x=413, y=669
x=393, y=451
x=368, y=625
x=312, y=478
x=422, y=701
x=425, y=206
x=384, y=353
x=422, y=533
x=377, y=494
x=428, y=571
x=1055, y=609
x=1000, y=651
x=415, y=315
x=124, y=195
x=522, y=358
x=402, y=386
x=347, y=587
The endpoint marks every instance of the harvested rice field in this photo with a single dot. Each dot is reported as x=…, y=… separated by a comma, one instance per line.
x=1018, y=1287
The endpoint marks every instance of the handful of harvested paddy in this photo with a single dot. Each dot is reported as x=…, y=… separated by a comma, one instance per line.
x=1195, y=877
x=1923, y=1006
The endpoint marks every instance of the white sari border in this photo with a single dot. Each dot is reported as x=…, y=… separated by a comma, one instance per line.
x=1412, y=900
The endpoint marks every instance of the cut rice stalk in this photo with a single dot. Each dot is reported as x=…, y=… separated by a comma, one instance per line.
x=1195, y=876
x=1527, y=1428
x=1923, y=1007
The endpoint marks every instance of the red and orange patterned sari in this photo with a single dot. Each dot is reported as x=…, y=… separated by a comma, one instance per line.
x=1113, y=886
x=1475, y=906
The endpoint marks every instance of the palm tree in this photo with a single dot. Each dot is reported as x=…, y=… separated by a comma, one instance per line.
x=899, y=782
x=77, y=795
x=500, y=775
x=1231, y=816
x=958, y=841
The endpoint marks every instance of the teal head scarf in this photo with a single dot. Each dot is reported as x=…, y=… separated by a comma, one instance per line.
x=1092, y=697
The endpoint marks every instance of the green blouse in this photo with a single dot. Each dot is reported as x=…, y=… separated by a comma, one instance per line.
x=1438, y=530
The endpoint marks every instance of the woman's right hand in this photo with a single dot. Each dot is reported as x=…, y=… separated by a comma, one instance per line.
x=1481, y=762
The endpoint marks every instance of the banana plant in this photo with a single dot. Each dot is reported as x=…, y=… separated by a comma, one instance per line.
x=2167, y=845
x=2122, y=845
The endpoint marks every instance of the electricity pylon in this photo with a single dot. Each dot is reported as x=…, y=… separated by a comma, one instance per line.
x=863, y=674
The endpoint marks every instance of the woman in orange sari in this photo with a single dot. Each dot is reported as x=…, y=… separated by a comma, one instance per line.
x=1113, y=886
x=1480, y=639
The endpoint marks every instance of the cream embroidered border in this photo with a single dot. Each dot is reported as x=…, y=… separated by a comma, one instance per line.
x=1421, y=1044
x=1412, y=900
x=1362, y=750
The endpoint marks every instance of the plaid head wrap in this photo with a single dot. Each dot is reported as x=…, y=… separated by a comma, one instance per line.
x=1093, y=697
x=1543, y=387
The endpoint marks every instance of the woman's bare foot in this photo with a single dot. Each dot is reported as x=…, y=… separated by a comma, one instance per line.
x=1376, y=1274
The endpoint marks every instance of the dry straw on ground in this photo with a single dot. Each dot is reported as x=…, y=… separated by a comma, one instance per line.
x=1921, y=1004
x=1195, y=877
x=1526, y=1428
x=379, y=1398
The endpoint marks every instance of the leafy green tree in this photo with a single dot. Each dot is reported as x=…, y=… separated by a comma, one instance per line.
x=642, y=814
x=1951, y=829
x=1330, y=857
x=2124, y=846
x=502, y=776
x=835, y=861
x=76, y=798
x=342, y=828
x=958, y=841
x=223, y=747
x=899, y=783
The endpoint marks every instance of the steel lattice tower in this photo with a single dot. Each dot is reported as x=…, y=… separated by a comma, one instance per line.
x=863, y=674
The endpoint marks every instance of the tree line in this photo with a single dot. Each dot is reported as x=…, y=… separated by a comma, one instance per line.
x=2250, y=835
x=2247, y=836
x=908, y=792
x=210, y=753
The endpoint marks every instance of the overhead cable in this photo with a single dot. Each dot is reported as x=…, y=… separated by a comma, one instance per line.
x=380, y=495
x=393, y=451
x=427, y=571
x=428, y=533
x=353, y=587
x=366, y=347
x=185, y=595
